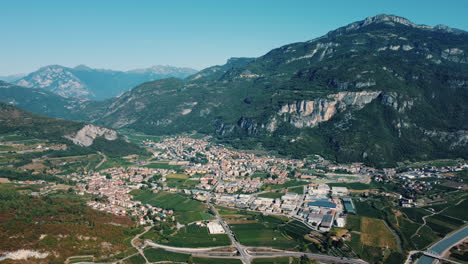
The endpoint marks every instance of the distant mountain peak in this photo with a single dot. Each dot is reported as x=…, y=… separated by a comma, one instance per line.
x=87, y=83
x=165, y=70
x=384, y=18
x=51, y=66
x=83, y=67
x=393, y=20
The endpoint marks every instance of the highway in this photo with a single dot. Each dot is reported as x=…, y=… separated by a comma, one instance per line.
x=438, y=250
x=441, y=247
x=245, y=258
x=249, y=253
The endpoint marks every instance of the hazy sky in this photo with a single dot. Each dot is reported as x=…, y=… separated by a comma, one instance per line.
x=123, y=35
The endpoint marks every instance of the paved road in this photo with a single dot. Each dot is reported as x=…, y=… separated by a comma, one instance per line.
x=250, y=253
x=139, y=249
x=245, y=258
x=104, y=159
x=319, y=257
x=181, y=249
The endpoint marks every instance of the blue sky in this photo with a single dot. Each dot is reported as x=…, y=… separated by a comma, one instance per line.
x=123, y=35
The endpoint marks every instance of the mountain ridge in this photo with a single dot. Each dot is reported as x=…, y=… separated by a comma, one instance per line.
x=88, y=83
x=406, y=75
x=390, y=19
x=379, y=93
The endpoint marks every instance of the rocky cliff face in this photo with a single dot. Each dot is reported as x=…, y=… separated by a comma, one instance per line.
x=308, y=113
x=56, y=79
x=87, y=135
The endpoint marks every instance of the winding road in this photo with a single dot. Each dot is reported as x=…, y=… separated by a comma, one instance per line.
x=104, y=159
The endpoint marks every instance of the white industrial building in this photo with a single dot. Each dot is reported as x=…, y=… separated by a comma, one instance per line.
x=339, y=191
x=215, y=228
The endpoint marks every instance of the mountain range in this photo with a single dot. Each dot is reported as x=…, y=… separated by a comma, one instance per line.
x=97, y=84
x=381, y=90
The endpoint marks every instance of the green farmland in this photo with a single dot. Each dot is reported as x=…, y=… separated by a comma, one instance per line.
x=191, y=236
x=185, y=209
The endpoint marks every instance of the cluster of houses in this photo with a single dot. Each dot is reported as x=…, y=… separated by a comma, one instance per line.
x=231, y=170
x=114, y=186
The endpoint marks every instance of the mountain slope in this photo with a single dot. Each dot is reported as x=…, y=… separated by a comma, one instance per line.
x=75, y=134
x=85, y=82
x=379, y=90
x=11, y=78
x=41, y=101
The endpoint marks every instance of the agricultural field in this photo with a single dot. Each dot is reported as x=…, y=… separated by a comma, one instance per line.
x=261, y=175
x=138, y=138
x=353, y=222
x=424, y=237
x=182, y=184
x=458, y=211
x=197, y=260
x=234, y=216
x=71, y=164
x=298, y=190
x=367, y=208
x=181, y=176
x=162, y=165
x=369, y=253
x=369, y=236
x=375, y=233
x=157, y=254
x=6, y=148
x=137, y=259
x=442, y=224
x=281, y=260
x=113, y=162
x=415, y=214
x=257, y=230
x=273, y=195
x=80, y=259
x=256, y=234
x=185, y=209
x=270, y=231
x=194, y=236
x=181, y=181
